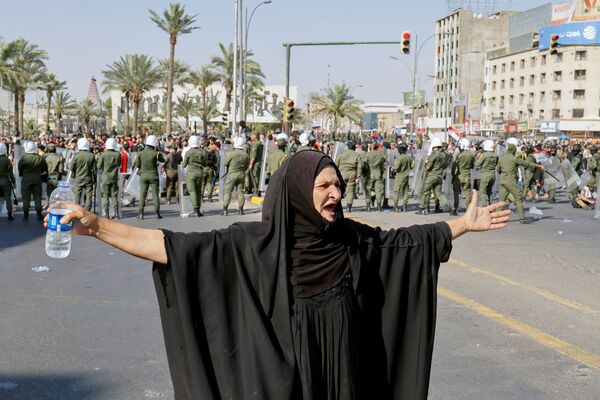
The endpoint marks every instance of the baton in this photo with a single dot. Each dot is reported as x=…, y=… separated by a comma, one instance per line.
x=94, y=196
x=15, y=201
x=551, y=175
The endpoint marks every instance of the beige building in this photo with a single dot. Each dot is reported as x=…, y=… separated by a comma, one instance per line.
x=461, y=40
x=529, y=89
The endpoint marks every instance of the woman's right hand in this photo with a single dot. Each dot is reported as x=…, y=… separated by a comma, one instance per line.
x=85, y=223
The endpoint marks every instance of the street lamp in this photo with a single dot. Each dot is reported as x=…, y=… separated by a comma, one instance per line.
x=243, y=55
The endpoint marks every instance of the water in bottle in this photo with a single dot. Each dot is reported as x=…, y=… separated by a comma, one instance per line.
x=58, y=236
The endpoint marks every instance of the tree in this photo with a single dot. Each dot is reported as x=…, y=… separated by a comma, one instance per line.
x=62, y=104
x=222, y=65
x=86, y=110
x=25, y=66
x=50, y=84
x=181, y=73
x=118, y=77
x=186, y=108
x=337, y=102
x=203, y=79
x=175, y=22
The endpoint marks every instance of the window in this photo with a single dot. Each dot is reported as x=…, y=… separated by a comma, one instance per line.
x=578, y=113
x=512, y=65
x=521, y=98
x=531, y=79
x=558, y=57
x=581, y=55
x=522, y=63
x=522, y=81
x=503, y=67
x=557, y=76
x=494, y=70
x=556, y=95
x=532, y=62
x=541, y=117
x=520, y=115
x=580, y=74
x=494, y=85
x=512, y=83
x=543, y=60
x=556, y=113
x=502, y=84
x=579, y=94
x=511, y=99
x=542, y=96
x=543, y=77
x=531, y=98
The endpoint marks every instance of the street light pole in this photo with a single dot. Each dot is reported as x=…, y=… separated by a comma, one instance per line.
x=238, y=7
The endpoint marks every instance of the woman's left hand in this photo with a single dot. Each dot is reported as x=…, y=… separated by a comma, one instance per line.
x=479, y=219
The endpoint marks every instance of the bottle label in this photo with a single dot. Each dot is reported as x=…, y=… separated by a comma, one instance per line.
x=54, y=221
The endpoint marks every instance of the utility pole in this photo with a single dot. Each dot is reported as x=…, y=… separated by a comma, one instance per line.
x=414, y=82
x=234, y=97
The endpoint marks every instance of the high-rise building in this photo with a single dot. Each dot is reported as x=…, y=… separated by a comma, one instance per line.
x=461, y=40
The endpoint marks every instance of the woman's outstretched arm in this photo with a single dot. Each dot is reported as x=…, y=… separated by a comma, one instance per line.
x=143, y=243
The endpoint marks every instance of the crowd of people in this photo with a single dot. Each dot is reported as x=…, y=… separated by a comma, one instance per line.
x=386, y=171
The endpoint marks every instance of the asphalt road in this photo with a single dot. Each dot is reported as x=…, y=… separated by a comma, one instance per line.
x=518, y=312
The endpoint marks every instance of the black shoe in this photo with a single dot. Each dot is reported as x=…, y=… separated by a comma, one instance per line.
x=349, y=209
x=454, y=212
x=158, y=216
x=26, y=216
x=10, y=217
x=241, y=211
x=396, y=209
x=438, y=210
x=524, y=221
x=422, y=211
x=40, y=216
x=198, y=212
x=140, y=215
x=403, y=208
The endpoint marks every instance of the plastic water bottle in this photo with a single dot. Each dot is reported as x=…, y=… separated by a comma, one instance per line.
x=58, y=236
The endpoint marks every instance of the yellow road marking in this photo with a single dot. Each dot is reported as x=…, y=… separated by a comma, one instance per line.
x=574, y=352
x=533, y=289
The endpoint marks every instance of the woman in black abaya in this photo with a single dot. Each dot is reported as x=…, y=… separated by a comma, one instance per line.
x=305, y=304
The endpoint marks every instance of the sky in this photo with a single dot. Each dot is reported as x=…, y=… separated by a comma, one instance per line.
x=82, y=37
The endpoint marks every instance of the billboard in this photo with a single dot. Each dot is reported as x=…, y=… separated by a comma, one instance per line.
x=474, y=107
x=563, y=12
x=419, y=96
x=575, y=33
x=586, y=10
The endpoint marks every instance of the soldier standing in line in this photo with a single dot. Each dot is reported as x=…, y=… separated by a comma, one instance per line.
x=461, y=174
x=376, y=160
x=32, y=168
x=577, y=164
x=236, y=165
x=147, y=161
x=7, y=180
x=277, y=156
x=195, y=161
x=508, y=166
x=435, y=167
x=83, y=169
x=56, y=169
x=172, y=162
x=529, y=182
x=109, y=162
x=595, y=171
x=210, y=169
x=256, y=155
x=349, y=165
x=487, y=163
x=402, y=166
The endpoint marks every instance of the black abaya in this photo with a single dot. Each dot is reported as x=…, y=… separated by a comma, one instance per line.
x=226, y=302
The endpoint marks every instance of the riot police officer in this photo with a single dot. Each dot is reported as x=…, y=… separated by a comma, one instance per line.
x=33, y=169
x=147, y=161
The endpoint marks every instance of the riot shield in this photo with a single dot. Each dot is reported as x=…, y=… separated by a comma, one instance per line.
x=120, y=185
x=269, y=146
x=132, y=188
x=361, y=179
x=597, y=207
x=98, y=195
x=416, y=183
x=17, y=154
x=389, y=176
x=338, y=150
x=223, y=152
x=572, y=179
x=162, y=177
x=554, y=179
x=585, y=177
x=447, y=186
x=3, y=210
x=499, y=150
x=185, y=201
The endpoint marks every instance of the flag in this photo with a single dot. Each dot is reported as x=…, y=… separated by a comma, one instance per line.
x=454, y=133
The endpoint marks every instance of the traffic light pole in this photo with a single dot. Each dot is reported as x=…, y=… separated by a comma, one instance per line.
x=288, y=54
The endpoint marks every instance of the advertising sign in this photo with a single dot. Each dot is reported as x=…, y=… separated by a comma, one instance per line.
x=459, y=115
x=474, y=106
x=419, y=98
x=563, y=12
x=575, y=33
x=587, y=10
x=549, y=126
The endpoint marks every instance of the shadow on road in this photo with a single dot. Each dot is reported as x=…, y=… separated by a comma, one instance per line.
x=19, y=232
x=48, y=387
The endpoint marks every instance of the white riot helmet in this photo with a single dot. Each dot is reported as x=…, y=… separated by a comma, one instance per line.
x=488, y=145
x=512, y=140
x=306, y=137
x=151, y=140
x=83, y=144
x=30, y=147
x=436, y=142
x=2, y=149
x=282, y=136
x=464, y=144
x=239, y=143
x=193, y=141
x=111, y=144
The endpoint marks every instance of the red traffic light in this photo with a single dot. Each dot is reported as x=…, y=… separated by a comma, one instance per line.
x=554, y=38
x=406, y=35
x=290, y=103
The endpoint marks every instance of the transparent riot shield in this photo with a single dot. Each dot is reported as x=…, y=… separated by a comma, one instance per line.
x=17, y=154
x=553, y=178
x=223, y=152
x=585, y=177
x=120, y=195
x=572, y=179
x=499, y=150
x=597, y=206
x=98, y=209
x=361, y=179
x=389, y=176
x=447, y=186
x=269, y=146
x=132, y=188
x=162, y=177
x=416, y=183
x=3, y=210
x=185, y=201
x=338, y=150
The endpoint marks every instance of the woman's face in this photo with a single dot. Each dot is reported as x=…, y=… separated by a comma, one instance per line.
x=327, y=193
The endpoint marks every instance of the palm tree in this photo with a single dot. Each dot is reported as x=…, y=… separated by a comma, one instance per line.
x=118, y=77
x=175, y=22
x=186, y=108
x=50, y=84
x=203, y=79
x=210, y=111
x=62, y=104
x=222, y=65
x=26, y=64
x=337, y=102
x=86, y=110
x=181, y=73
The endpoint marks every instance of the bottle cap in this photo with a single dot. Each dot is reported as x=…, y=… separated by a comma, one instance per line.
x=63, y=184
